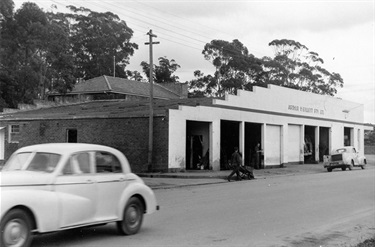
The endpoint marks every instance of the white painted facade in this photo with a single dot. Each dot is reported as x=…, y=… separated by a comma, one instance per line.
x=283, y=115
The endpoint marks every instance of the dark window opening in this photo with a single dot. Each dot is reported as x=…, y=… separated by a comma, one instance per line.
x=71, y=135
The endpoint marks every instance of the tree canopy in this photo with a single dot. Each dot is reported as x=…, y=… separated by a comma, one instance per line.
x=164, y=72
x=293, y=66
x=296, y=67
x=46, y=51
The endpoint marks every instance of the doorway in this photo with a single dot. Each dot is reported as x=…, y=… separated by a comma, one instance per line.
x=253, y=136
x=229, y=139
x=197, y=145
x=348, y=134
x=323, y=142
x=309, y=145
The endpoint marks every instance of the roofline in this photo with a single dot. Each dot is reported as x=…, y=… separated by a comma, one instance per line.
x=80, y=117
x=112, y=91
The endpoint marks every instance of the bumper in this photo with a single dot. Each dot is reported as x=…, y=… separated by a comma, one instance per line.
x=334, y=164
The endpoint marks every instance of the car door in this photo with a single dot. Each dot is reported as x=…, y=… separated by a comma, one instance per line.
x=110, y=180
x=77, y=191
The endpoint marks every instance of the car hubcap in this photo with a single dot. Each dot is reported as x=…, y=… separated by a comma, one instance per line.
x=15, y=233
x=132, y=216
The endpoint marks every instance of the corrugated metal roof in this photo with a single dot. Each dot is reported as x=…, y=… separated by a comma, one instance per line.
x=123, y=86
x=104, y=109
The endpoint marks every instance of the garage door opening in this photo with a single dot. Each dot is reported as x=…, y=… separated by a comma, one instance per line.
x=309, y=145
x=253, y=136
x=197, y=145
x=348, y=134
x=229, y=139
x=323, y=142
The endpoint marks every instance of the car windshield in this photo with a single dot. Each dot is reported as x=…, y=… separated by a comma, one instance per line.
x=41, y=162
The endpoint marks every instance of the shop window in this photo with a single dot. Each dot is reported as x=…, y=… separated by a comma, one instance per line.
x=14, y=133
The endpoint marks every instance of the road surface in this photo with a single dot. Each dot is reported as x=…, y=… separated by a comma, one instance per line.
x=327, y=209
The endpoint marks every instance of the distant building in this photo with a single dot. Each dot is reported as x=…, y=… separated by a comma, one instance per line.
x=293, y=127
x=107, y=87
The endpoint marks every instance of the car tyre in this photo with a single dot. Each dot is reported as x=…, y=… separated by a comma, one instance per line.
x=15, y=229
x=132, y=217
x=343, y=168
x=329, y=169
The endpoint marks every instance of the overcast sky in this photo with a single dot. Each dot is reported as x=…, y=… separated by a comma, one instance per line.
x=341, y=32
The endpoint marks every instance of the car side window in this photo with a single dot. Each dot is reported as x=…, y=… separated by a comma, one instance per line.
x=107, y=163
x=77, y=164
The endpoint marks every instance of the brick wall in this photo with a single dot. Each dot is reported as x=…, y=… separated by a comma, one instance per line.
x=129, y=135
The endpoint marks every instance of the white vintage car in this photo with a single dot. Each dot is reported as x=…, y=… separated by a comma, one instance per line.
x=54, y=187
x=344, y=157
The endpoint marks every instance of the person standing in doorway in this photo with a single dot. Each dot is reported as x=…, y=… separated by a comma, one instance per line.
x=258, y=153
x=236, y=161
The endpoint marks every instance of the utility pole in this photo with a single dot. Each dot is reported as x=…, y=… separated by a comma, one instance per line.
x=151, y=118
x=114, y=66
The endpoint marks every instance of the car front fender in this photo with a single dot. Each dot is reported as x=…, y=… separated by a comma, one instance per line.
x=42, y=203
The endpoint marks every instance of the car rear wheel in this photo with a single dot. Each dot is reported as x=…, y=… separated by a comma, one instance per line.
x=329, y=169
x=343, y=168
x=132, y=218
x=15, y=229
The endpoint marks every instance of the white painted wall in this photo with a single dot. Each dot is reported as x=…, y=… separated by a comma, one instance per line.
x=2, y=143
x=269, y=106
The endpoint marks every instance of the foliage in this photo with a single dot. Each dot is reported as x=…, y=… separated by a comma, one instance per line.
x=23, y=47
x=96, y=39
x=294, y=66
x=163, y=73
x=48, y=51
x=235, y=69
x=370, y=138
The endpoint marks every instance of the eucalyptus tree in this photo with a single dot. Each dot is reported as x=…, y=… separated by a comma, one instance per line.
x=294, y=66
x=99, y=40
x=23, y=39
x=235, y=68
x=164, y=72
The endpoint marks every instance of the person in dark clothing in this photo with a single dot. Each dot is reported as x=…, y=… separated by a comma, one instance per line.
x=236, y=162
x=258, y=153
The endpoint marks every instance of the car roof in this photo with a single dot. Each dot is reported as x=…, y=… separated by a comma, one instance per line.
x=65, y=148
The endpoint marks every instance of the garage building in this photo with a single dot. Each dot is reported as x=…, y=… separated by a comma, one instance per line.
x=291, y=126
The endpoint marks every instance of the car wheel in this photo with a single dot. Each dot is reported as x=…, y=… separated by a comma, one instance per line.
x=16, y=229
x=351, y=165
x=132, y=218
x=343, y=168
x=329, y=169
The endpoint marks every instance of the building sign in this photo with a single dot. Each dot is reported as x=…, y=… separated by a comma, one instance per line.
x=305, y=109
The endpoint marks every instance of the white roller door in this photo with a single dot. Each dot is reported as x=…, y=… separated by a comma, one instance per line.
x=273, y=145
x=294, y=143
